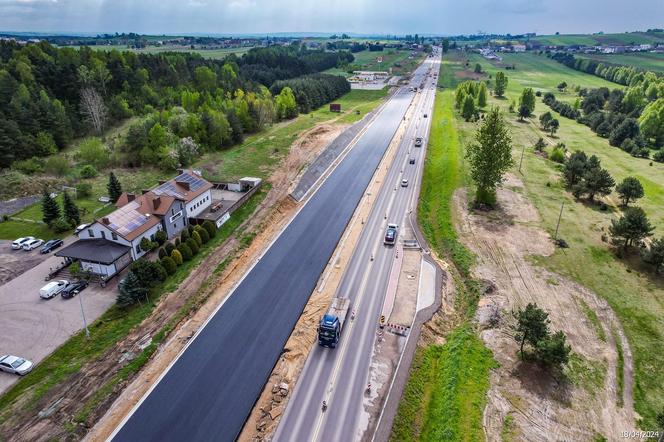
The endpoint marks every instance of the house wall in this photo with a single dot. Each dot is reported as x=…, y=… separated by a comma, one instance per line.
x=136, y=252
x=199, y=204
x=99, y=269
x=175, y=219
x=101, y=231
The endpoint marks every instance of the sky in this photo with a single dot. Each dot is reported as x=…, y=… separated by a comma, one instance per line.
x=439, y=17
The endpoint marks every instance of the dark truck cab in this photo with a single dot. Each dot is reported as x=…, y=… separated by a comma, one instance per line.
x=331, y=324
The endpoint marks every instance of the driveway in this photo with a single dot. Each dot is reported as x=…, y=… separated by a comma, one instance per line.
x=32, y=327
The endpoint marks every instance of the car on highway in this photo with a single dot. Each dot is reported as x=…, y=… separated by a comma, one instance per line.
x=15, y=365
x=32, y=244
x=412, y=161
x=404, y=183
x=18, y=244
x=418, y=142
x=51, y=245
x=73, y=289
x=391, y=234
x=425, y=115
x=53, y=288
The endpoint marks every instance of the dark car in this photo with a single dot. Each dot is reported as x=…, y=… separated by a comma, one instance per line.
x=74, y=288
x=412, y=161
x=418, y=142
x=51, y=245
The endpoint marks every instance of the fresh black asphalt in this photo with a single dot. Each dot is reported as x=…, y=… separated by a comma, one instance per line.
x=210, y=390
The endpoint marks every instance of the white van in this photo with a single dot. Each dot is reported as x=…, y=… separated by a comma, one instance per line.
x=52, y=289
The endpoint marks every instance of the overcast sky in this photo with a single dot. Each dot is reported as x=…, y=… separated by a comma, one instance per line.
x=358, y=16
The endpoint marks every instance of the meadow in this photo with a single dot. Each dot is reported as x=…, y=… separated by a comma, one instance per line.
x=647, y=61
x=631, y=288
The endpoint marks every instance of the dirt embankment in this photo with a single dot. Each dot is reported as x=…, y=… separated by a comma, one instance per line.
x=541, y=407
x=60, y=405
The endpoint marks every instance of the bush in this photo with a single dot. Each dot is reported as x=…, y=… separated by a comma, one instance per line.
x=557, y=155
x=168, y=264
x=83, y=190
x=210, y=228
x=162, y=253
x=169, y=248
x=160, y=237
x=57, y=165
x=177, y=257
x=149, y=273
x=193, y=246
x=184, y=235
x=147, y=245
x=185, y=251
x=177, y=242
x=659, y=156
x=60, y=225
x=88, y=171
x=204, y=236
x=92, y=151
x=641, y=152
x=29, y=166
x=190, y=229
x=196, y=237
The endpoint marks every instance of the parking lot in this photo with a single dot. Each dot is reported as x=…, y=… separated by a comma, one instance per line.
x=33, y=327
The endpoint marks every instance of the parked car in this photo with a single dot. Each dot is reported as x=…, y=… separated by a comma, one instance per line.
x=412, y=161
x=418, y=142
x=18, y=244
x=404, y=183
x=32, y=244
x=15, y=365
x=53, y=288
x=73, y=289
x=51, y=245
x=80, y=228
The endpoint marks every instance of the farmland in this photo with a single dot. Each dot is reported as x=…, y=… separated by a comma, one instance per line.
x=397, y=60
x=215, y=53
x=601, y=39
x=642, y=60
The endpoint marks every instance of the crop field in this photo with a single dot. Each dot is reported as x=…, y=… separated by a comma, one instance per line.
x=217, y=54
x=648, y=61
x=398, y=60
x=601, y=39
x=632, y=290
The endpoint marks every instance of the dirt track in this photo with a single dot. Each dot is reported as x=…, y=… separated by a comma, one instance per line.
x=542, y=408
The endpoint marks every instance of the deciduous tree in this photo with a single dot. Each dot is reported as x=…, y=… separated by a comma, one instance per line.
x=500, y=84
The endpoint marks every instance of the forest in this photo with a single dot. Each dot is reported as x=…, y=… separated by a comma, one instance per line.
x=50, y=96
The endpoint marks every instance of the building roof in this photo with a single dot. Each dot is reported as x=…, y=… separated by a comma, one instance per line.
x=100, y=251
x=149, y=202
x=186, y=186
x=130, y=220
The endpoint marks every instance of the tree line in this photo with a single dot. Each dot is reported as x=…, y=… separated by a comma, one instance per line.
x=50, y=95
x=312, y=91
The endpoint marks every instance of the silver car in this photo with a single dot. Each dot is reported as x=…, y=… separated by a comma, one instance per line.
x=15, y=365
x=32, y=244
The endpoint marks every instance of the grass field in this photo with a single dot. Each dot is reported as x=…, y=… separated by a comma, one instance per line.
x=634, y=293
x=642, y=60
x=216, y=54
x=540, y=73
x=601, y=39
x=395, y=59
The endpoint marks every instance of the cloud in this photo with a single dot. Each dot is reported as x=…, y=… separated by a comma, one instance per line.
x=516, y=6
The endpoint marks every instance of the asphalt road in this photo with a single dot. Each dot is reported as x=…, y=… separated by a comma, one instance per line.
x=208, y=393
x=340, y=376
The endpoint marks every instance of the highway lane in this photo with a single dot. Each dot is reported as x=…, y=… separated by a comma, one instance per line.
x=209, y=391
x=340, y=376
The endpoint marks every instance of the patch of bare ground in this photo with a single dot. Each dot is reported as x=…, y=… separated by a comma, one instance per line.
x=203, y=287
x=543, y=407
x=469, y=75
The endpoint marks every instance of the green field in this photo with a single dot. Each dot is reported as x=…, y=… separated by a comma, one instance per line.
x=397, y=60
x=646, y=61
x=634, y=293
x=216, y=54
x=601, y=39
x=540, y=73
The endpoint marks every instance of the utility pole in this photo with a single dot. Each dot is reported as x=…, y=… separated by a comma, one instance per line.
x=555, y=238
x=85, y=323
x=521, y=160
